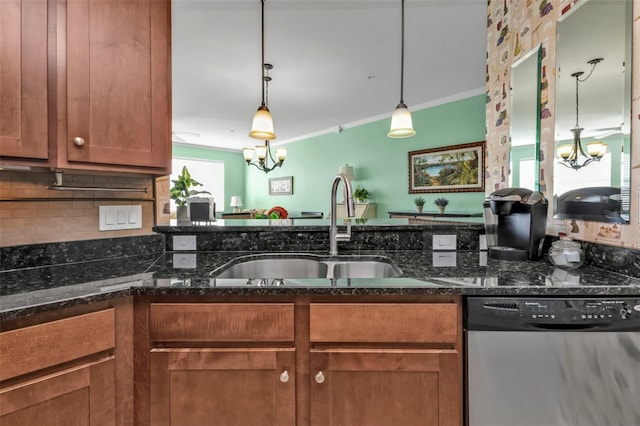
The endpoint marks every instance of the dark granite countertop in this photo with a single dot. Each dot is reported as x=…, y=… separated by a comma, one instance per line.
x=468, y=273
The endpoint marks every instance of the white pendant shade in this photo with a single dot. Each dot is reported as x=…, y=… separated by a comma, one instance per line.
x=248, y=154
x=261, y=152
x=281, y=154
x=262, y=126
x=401, y=124
x=596, y=149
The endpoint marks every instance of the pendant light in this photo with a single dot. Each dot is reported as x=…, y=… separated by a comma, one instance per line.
x=401, y=125
x=570, y=154
x=262, y=126
x=263, y=152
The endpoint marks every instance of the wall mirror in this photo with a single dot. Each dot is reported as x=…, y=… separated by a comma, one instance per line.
x=592, y=177
x=524, y=122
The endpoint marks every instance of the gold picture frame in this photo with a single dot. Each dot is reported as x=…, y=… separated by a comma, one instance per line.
x=456, y=168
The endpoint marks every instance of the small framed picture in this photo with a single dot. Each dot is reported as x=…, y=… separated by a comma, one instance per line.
x=281, y=185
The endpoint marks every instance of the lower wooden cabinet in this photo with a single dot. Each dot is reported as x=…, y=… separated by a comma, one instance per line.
x=379, y=364
x=69, y=367
x=82, y=396
x=226, y=387
x=306, y=363
x=381, y=387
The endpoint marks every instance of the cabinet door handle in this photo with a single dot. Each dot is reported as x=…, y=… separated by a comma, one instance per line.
x=284, y=376
x=319, y=377
x=78, y=141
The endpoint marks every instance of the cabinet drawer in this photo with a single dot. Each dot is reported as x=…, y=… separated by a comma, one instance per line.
x=40, y=346
x=384, y=322
x=221, y=322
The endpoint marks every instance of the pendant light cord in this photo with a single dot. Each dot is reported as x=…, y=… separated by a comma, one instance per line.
x=593, y=63
x=577, y=80
x=262, y=63
x=402, y=56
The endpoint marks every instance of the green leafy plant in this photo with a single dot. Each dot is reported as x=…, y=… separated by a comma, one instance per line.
x=361, y=194
x=181, y=189
x=441, y=202
x=419, y=201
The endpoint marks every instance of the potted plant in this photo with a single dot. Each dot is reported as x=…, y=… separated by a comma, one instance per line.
x=441, y=203
x=419, y=202
x=361, y=195
x=181, y=191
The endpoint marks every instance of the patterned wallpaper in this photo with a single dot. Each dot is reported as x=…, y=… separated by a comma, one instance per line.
x=514, y=27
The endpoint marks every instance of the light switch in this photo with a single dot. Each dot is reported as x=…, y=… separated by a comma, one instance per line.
x=184, y=242
x=483, y=259
x=444, y=259
x=482, y=243
x=110, y=218
x=184, y=260
x=122, y=217
x=114, y=218
x=444, y=242
x=133, y=216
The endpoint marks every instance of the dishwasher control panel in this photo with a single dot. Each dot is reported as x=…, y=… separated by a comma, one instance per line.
x=575, y=311
x=532, y=313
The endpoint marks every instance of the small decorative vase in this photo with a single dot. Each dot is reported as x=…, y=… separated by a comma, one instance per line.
x=441, y=208
x=182, y=215
x=419, y=209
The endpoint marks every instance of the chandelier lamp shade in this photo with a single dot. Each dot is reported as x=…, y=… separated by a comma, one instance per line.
x=263, y=157
x=401, y=124
x=573, y=155
x=262, y=125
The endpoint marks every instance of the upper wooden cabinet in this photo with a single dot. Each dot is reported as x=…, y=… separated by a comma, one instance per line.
x=86, y=84
x=117, y=96
x=24, y=97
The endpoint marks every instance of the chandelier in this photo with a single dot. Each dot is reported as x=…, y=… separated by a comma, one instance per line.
x=264, y=160
x=571, y=154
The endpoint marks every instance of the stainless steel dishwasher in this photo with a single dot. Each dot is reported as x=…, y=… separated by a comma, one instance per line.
x=553, y=361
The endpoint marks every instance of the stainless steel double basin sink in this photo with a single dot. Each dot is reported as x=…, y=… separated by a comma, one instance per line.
x=301, y=266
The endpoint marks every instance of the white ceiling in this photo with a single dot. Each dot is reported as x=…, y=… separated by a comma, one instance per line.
x=336, y=63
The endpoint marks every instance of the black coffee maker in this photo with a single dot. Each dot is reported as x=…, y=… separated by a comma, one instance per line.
x=515, y=221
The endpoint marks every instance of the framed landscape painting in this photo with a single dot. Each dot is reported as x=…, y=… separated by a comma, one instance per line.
x=456, y=168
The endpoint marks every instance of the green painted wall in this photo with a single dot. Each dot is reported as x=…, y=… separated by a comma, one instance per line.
x=380, y=163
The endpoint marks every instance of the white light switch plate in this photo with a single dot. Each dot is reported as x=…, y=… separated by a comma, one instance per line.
x=444, y=242
x=444, y=259
x=482, y=243
x=115, y=218
x=184, y=242
x=184, y=260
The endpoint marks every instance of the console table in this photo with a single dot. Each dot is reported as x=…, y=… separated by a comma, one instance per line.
x=426, y=215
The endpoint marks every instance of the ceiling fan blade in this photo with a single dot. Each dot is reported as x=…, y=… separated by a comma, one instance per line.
x=175, y=136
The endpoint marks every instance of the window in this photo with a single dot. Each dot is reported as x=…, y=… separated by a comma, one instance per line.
x=208, y=172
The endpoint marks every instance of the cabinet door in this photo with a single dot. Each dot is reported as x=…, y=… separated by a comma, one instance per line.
x=23, y=79
x=382, y=387
x=243, y=387
x=78, y=396
x=118, y=82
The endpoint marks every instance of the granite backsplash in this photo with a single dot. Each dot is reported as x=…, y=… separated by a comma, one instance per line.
x=314, y=239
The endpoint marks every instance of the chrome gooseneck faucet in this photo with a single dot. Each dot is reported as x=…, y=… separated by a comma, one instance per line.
x=334, y=236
